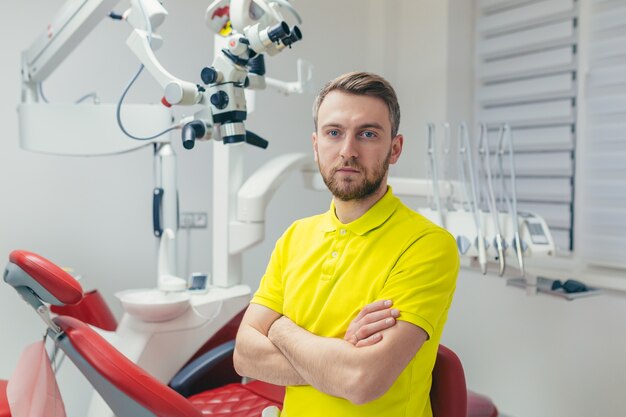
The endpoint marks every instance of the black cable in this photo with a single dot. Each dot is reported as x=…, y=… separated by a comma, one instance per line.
x=118, y=112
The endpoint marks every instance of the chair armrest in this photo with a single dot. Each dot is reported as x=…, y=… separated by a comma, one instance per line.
x=199, y=367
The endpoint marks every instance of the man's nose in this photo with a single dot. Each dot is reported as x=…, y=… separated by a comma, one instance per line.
x=349, y=148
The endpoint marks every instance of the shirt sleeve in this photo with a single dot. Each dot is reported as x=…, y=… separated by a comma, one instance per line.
x=271, y=293
x=422, y=282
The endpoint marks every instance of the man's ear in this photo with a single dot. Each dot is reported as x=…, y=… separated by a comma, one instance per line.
x=396, y=148
x=314, y=138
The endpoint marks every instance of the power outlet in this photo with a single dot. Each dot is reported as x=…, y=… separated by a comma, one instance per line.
x=193, y=220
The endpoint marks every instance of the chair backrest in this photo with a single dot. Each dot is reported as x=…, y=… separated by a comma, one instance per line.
x=127, y=389
x=448, y=394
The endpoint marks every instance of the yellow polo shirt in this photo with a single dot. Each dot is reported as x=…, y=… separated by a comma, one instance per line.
x=323, y=272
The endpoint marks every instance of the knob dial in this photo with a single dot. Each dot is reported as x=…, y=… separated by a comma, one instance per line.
x=220, y=100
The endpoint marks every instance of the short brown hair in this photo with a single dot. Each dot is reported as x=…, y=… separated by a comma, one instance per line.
x=363, y=84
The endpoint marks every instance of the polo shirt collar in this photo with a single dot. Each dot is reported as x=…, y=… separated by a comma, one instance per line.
x=374, y=217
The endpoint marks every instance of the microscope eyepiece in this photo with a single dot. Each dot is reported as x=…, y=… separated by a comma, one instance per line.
x=278, y=31
x=293, y=37
x=192, y=131
x=189, y=137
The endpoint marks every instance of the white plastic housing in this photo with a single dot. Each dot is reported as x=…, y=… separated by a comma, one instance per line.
x=88, y=129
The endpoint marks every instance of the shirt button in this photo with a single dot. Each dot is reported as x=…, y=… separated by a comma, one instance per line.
x=342, y=231
x=334, y=254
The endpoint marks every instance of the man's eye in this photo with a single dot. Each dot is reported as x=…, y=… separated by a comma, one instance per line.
x=368, y=134
x=333, y=132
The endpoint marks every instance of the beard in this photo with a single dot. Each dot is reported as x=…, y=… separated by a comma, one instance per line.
x=353, y=189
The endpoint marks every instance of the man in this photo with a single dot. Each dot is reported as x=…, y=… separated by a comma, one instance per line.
x=350, y=311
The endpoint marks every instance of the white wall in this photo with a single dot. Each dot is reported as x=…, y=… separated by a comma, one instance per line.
x=535, y=356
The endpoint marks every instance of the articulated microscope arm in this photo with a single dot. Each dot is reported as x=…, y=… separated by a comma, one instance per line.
x=64, y=32
x=145, y=16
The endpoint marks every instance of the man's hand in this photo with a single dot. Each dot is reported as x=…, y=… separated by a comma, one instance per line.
x=366, y=328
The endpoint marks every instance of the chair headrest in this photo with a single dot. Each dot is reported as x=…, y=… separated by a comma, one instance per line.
x=49, y=282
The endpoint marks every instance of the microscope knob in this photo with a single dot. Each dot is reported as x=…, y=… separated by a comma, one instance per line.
x=208, y=75
x=219, y=100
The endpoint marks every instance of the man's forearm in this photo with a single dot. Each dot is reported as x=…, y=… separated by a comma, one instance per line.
x=257, y=357
x=331, y=365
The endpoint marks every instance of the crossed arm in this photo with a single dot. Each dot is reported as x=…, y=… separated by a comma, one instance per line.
x=359, y=368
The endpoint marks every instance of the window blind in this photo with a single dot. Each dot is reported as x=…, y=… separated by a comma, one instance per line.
x=526, y=75
x=602, y=160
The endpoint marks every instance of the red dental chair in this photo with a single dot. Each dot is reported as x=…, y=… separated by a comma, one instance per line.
x=130, y=391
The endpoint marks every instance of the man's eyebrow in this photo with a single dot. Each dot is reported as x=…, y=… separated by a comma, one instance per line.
x=331, y=124
x=363, y=126
x=371, y=126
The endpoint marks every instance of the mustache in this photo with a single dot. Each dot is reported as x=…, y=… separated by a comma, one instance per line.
x=349, y=163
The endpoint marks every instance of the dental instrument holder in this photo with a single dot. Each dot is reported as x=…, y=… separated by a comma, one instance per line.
x=527, y=232
x=506, y=139
x=498, y=242
x=471, y=197
x=434, y=173
x=447, y=162
x=533, y=228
